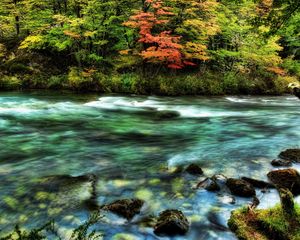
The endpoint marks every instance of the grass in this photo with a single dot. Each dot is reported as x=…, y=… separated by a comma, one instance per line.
x=263, y=224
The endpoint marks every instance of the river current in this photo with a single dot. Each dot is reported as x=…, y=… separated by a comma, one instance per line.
x=132, y=149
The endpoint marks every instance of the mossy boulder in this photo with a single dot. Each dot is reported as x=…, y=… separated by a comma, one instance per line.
x=291, y=155
x=240, y=187
x=265, y=224
x=171, y=223
x=126, y=208
x=287, y=179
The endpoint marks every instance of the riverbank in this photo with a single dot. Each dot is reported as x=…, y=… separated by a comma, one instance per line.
x=208, y=83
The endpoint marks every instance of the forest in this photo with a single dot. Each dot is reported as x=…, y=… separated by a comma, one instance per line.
x=164, y=47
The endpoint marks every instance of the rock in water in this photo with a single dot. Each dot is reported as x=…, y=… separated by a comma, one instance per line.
x=240, y=187
x=194, y=169
x=258, y=183
x=209, y=185
x=171, y=223
x=126, y=208
x=291, y=155
x=281, y=163
x=167, y=114
x=220, y=179
x=286, y=178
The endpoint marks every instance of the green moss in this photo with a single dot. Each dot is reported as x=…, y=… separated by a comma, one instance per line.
x=265, y=224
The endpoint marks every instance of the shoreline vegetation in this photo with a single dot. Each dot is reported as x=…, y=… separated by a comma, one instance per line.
x=162, y=47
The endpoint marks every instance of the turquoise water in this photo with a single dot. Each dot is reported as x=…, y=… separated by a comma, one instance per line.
x=132, y=151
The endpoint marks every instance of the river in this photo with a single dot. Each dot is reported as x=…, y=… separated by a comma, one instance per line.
x=132, y=151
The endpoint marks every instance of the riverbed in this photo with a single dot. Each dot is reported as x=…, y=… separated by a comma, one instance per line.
x=133, y=151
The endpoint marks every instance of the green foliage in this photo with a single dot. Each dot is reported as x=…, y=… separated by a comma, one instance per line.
x=94, y=45
x=82, y=232
x=10, y=83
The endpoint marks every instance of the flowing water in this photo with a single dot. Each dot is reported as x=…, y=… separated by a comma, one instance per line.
x=132, y=150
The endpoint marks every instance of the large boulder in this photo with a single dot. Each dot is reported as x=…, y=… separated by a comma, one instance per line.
x=171, y=223
x=291, y=155
x=240, y=187
x=258, y=183
x=287, y=179
x=194, y=169
x=126, y=208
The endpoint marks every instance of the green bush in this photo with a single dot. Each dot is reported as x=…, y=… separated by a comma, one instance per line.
x=57, y=82
x=10, y=83
x=81, y=80
x=231, y=83
x=292, y=66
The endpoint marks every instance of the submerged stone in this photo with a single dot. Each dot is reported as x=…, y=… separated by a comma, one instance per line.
x=240, y=187
x=291, y=155
x=286, y=178
x=126, y=208
x=194, y=169
x=171, y=223
x=167, y=114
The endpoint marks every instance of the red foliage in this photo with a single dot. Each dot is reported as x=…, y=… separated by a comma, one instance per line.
x=162, y=47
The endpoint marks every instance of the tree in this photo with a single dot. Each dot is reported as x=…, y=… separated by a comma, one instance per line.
x=159, y=46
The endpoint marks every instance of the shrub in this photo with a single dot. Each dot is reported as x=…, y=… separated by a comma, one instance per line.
x=10, y=83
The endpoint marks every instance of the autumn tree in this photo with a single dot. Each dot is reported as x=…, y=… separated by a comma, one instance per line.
x=159, y=46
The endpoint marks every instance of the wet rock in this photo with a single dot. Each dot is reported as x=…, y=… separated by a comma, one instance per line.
x=258, y=183
x=291, y=155
x=240, y=187
x=194, y=169
x=286, y=178
x=171, y=223
x=167, y=114
x=220, y=179
x=126, y=208
x=281, y=163
x=209, y=185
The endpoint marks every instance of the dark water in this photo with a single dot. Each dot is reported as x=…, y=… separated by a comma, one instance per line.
x=132, y=151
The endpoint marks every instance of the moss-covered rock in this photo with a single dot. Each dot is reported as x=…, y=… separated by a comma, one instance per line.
x=265, y=224
x=126, y=208
x=170, y=223
x=286, y=178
